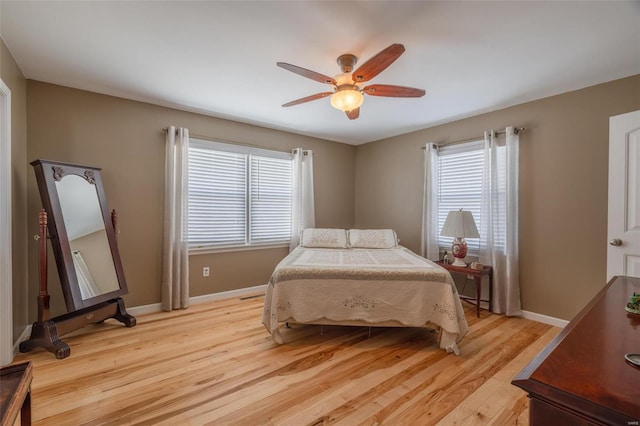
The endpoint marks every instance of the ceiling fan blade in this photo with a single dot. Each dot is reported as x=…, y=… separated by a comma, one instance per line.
x=378, y=63
x=307, y=73
x=353, y=114
x=308, y=99
x=393, y=91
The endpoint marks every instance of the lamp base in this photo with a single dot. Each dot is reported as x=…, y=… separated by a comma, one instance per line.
x=459, y=262
x=459, y=250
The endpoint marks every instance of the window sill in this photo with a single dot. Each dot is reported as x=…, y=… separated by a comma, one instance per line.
x=211, y=250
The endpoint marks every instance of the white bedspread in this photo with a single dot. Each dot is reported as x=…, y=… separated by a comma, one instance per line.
x=371, y=286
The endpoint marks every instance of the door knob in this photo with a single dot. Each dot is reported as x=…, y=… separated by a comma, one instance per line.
x=615, y=242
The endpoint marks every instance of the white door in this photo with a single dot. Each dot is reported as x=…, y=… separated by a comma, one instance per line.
x=623, y=253
x=6, y=302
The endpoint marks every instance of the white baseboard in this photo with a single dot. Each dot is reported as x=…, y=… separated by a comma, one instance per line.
x=156, y=307
x=144, y=309
x=545, y=319
x=229, y=294
x=24, y=336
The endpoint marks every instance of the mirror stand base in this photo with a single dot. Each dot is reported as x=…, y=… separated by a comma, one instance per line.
x=122, y=315
x=46, y=334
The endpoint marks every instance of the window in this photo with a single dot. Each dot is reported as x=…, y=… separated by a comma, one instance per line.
x=460, y=186
x=238, y=196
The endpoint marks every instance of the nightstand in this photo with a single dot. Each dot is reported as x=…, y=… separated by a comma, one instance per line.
x=477, y=274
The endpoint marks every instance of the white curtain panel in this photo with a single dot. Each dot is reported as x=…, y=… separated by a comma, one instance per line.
x=429, y=236
x=499, y=219
x=87, y=284
x=302, y=198
x=175, y=266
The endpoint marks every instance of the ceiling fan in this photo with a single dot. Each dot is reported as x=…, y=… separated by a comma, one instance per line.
x=347, y=93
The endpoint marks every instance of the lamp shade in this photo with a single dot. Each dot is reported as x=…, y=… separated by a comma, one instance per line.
x=460, y=224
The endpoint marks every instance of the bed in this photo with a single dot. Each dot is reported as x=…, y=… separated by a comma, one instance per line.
x=362, y=277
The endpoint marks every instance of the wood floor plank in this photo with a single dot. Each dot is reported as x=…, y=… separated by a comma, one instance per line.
x=441, y=387
x=214, y=363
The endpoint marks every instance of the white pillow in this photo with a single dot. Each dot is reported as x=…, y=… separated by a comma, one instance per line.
x=324, y=238
x=373, y=238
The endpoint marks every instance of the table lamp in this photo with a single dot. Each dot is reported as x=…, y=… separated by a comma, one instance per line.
x=459, y=225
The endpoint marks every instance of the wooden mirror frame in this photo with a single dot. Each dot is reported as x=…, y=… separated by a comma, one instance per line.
x=46, y=331
x=47, y=174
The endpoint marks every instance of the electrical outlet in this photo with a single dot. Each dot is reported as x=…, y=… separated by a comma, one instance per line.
x=205, y=271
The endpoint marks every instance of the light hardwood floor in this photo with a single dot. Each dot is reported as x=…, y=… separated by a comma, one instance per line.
x=215, y=363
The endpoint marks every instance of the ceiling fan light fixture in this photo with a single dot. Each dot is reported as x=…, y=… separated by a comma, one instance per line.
x=347, y=97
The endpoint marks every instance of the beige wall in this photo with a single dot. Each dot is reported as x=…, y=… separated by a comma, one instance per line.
x=13, y=78
x=125, y=138
x=563, y=185
x=563, y=188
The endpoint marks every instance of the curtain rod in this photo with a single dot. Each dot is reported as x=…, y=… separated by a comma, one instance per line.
x=516, y=130
x=207, y=138
x=210, y=139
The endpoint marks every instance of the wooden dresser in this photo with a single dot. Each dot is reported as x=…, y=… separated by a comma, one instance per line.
x=15, y=394
x=581, y=377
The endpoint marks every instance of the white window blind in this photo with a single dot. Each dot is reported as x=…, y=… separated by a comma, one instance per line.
x=270, y=205
x=460, y=181
x=238, y=196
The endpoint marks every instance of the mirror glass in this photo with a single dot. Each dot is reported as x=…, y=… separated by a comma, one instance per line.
x=87, y=236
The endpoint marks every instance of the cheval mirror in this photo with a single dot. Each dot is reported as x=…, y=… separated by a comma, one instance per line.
x=83, y=239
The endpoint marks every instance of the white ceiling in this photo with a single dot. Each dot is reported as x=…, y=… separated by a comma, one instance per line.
x=219, y=58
